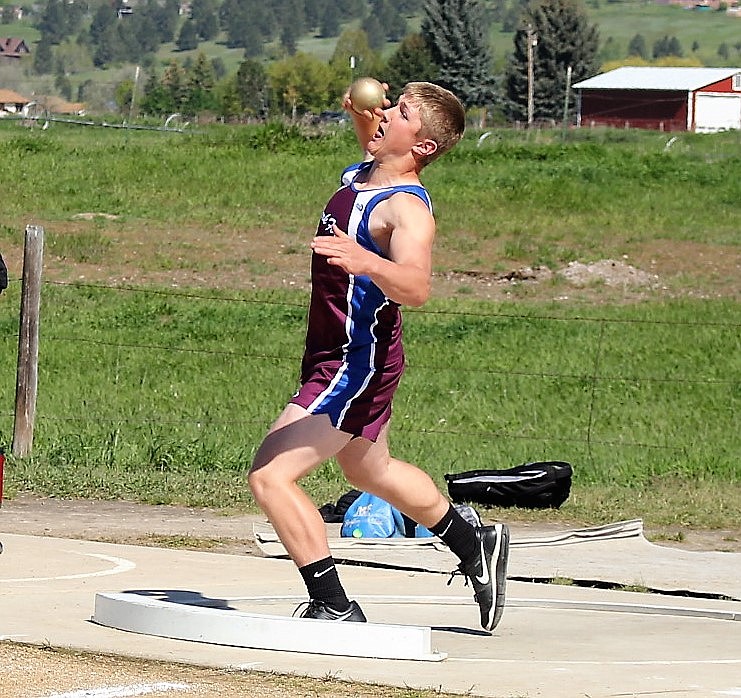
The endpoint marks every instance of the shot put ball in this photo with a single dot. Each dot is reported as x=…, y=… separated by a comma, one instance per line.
x=366, y=93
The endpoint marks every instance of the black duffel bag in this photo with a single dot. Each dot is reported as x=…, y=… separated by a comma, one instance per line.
x=529, y=486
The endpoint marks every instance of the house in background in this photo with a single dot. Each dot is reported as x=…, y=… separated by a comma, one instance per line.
x=57, y=105
x=702, y=100
x=11, y=102
x=12, y=47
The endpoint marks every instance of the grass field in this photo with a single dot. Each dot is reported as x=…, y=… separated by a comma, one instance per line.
x=172, y=329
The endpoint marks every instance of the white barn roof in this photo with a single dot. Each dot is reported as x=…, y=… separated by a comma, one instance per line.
x=654, y=78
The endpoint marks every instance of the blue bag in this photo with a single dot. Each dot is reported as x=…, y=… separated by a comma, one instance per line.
x=372, y=517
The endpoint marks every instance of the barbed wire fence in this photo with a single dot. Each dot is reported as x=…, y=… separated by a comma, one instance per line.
x=593, y=373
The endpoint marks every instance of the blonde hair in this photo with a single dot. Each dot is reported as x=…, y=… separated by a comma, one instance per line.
x=443, y=116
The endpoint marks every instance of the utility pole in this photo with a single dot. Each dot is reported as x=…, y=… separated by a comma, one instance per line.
x=133, y=92
x=566, y=98
x=532, y=42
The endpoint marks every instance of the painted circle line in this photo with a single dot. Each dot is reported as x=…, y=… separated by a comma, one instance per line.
x=120, y=565
x=123, y=691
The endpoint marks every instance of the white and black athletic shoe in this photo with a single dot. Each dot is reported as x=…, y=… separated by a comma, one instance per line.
x=487, y=572
x=320, y=611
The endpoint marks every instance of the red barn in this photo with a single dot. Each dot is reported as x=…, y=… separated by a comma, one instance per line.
x=666, y=99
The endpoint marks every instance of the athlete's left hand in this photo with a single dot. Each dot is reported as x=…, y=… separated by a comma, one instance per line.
x=342, y=251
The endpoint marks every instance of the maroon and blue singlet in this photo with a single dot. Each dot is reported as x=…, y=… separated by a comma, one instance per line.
x=354, y=357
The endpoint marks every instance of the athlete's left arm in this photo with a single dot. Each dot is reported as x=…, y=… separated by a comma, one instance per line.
x=405, y=229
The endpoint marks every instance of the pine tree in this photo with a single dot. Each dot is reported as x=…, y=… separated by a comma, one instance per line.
x=144, y=27
x=43, y=58
x=200, y=84
x=313, y=10
x=394, y=26
x=289, y=39
x=157, y=99
x=564, y=38
x=667, y=46
x=109, y=47
x=51, y=22
x=675, y=48
x=174, y=80
x=457, y=34
x=205, y=17
x=290, y=16
x=329, y=21
x=252, y=87
x=374, y=31
x=166, y=18
x=188, y=37
x=637, y=47
x=103, y=19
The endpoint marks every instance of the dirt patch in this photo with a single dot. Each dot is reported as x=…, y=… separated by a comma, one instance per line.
x=28, y=671
x=223, y=532
x=613, y=273
x=227, y=258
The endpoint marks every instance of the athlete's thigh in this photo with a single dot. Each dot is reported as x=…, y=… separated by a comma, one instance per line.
x=362, y=459
x=298, y=442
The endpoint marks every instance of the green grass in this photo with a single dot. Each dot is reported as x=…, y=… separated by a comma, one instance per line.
x=158, y=395
x=621, y=21
x=539, y=199
x=163, y=397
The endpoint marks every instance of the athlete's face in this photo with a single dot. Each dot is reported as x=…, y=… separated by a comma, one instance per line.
x=398, y=131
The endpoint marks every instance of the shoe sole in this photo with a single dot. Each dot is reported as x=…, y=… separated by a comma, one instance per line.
x=501, y=555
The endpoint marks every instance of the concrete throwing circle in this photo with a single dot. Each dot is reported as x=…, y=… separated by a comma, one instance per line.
x=219, y=626
x=233, y=622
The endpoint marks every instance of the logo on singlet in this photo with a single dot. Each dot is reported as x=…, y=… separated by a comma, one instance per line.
x=326, y=223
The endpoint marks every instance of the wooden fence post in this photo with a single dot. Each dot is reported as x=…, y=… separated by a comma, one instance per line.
x=28, y=342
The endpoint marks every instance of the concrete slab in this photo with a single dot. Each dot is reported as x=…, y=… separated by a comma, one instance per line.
x=553, y=641
x=614, y=554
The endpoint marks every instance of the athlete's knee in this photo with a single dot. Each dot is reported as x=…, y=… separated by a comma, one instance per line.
x=263, y=480
x=256, y=482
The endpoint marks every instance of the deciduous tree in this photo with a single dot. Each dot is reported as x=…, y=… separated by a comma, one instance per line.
x=300, y=84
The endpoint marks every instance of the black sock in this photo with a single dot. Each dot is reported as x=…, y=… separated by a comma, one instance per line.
x=457, y=534
x=323, y=583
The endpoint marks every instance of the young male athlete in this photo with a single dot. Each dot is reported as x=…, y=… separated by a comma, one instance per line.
x=371, y=254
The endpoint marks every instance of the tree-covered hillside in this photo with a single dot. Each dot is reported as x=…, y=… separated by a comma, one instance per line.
x=249, y=58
